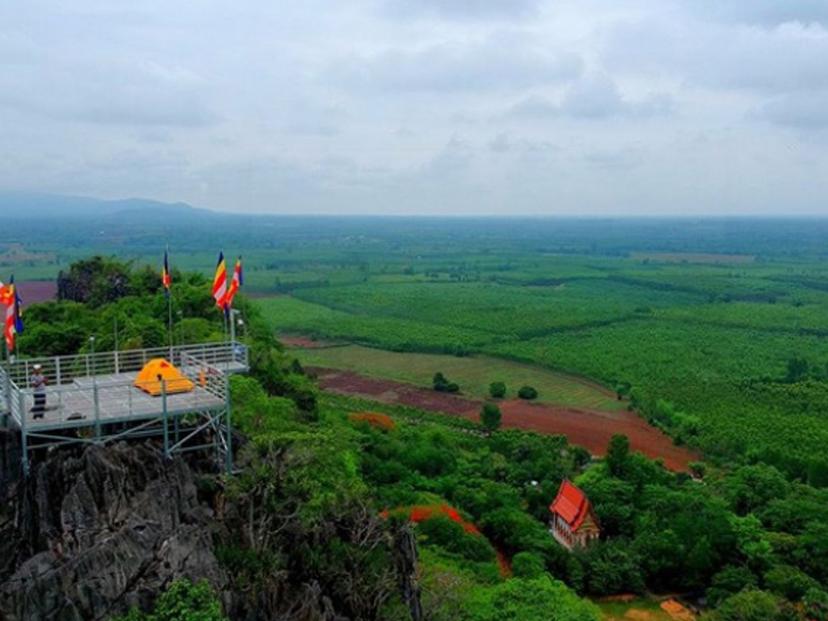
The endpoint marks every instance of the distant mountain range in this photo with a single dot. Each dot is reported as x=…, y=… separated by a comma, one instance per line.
x=33, y=205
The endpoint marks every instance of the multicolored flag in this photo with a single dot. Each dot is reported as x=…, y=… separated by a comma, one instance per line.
x=236, y=282
x=166, y=277
x=220, y=282
x=14, y=320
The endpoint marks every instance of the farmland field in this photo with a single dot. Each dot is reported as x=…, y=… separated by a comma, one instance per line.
x=472, y=373
x=706, y=346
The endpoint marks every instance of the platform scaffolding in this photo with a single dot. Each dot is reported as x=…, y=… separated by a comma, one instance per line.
x=93, y=399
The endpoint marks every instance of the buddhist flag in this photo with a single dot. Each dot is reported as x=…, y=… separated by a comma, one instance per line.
x=13, y=321
x=166, y=277
x=236, y=282
x=220, y=282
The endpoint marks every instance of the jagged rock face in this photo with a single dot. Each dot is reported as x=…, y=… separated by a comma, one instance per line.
x=95, y=534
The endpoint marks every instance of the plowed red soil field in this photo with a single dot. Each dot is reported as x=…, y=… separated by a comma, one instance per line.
x=591, y=429
x=388, y=391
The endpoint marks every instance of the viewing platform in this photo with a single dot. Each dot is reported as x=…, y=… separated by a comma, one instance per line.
x=96, y=398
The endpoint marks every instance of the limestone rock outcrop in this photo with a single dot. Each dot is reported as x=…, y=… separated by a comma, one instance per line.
x=92, y=533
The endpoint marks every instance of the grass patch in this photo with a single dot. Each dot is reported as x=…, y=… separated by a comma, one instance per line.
x=473, y=373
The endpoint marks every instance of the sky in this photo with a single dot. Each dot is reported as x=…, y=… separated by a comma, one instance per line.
x=426, y=107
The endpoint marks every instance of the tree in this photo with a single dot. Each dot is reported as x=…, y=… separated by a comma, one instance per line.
x=618, y=454
x=95, y=281
x=751, y=488
x=747, y=605
x=528, y=393
x=528, y=565
x=789, y=582
x=729, y=581
x=797, y=370
x=497, y=390
x=611, y=567
x=622, y=389
x=528, y=600
x=816, y=605
x=490, y=417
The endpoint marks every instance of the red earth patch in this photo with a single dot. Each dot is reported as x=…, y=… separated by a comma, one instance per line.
x=591, y=429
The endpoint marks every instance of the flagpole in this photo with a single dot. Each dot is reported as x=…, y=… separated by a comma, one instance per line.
x=168, y=291
x=169, y=301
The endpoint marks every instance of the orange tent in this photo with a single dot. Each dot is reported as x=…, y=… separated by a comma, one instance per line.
x=150, y=377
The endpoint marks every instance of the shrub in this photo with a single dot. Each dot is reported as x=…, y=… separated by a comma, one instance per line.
x=443, y=531
x=528, y=565
x=490, y=417
x=497, y=390
x=183, y=601
x=528, y=393
x=442, y=384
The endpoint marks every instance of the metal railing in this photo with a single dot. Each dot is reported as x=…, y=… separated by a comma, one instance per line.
x=91, y=389
x=60, y=370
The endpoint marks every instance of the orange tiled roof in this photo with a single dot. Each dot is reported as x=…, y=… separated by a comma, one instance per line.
x=571, y=504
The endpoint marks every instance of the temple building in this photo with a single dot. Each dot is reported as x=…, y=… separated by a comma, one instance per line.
x=573, y=522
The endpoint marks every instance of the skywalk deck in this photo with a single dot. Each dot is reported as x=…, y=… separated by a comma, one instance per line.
x=98, y=391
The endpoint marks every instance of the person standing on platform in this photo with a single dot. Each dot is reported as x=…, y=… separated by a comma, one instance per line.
x=38, y=383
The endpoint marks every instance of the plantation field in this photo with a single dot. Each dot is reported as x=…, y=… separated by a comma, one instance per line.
x=472, y=373
x=706, y=347
x=694, y=257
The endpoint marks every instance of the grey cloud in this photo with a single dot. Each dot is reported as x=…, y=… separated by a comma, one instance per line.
x=452, y=67
x=619, y=159
x=504, y=143
x=807, y=111
x=788, y=57
x=500, y=143
x=594, y=97
x=108, y=92
x=350, y=107
x=463, y=9
x=765, y=12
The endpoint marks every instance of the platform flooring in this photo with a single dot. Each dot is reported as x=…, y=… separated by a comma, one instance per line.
x=73, y=405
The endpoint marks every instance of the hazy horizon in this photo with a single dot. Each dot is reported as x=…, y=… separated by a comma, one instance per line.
x=423, y=108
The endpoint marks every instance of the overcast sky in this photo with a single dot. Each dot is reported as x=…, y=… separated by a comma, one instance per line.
x=584, y=107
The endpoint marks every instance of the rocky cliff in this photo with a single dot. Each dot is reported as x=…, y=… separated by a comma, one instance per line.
x=92, y=533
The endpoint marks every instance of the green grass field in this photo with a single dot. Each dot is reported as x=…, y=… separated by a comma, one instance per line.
x=472, y=373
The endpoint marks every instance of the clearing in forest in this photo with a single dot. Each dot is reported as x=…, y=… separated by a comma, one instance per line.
x=639, y=609
x=472, y=373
